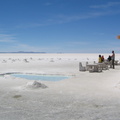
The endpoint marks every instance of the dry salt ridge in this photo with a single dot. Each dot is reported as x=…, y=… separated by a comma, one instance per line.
x=83, y=96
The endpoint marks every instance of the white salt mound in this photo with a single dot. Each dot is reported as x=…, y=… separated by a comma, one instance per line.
x=35, y=84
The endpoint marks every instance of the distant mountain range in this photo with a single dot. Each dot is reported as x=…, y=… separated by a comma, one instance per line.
x=23, y=52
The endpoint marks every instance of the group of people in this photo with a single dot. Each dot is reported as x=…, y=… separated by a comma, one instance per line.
x=109, y=59
x=101, y=59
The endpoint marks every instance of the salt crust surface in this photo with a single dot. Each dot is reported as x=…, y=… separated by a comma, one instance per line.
x=85, y=96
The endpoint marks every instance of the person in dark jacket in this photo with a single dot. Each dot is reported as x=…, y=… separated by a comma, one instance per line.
x=113, y=59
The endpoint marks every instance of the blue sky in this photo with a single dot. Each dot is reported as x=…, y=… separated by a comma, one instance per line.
x=68, y=26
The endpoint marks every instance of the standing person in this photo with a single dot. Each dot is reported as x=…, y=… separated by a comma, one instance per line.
x=113, y=59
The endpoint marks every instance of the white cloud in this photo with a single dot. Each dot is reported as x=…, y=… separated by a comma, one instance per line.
x=109, y=4
x=62, y=18
x=10, y=44
x=7, y=38
x=48, y=4
x=77, y=43
x=27, y=47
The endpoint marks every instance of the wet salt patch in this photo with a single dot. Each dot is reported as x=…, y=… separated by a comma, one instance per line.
x=40, y=77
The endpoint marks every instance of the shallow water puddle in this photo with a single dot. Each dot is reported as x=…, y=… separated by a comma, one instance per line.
x=41, y=77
